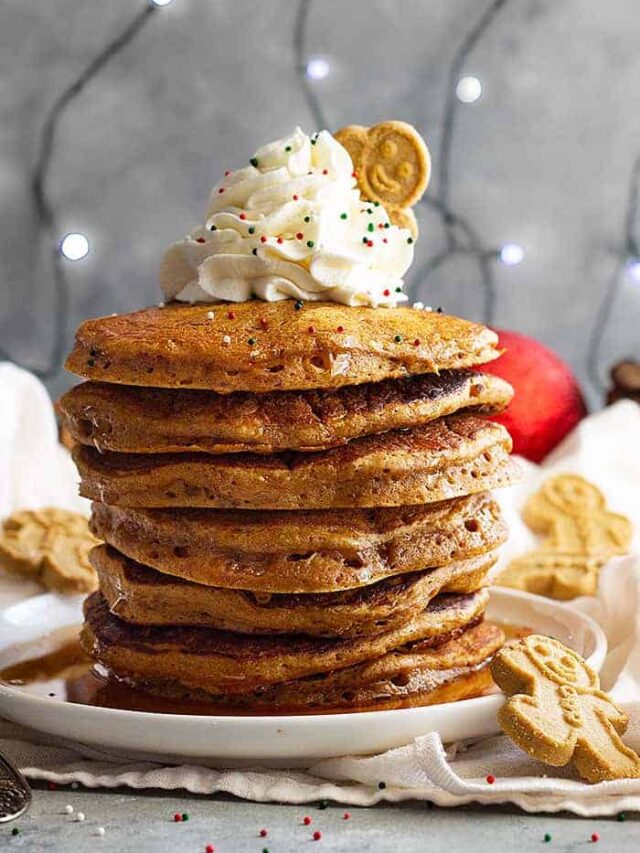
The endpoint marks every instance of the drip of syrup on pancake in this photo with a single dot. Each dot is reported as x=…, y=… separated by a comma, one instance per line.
x=58, y=668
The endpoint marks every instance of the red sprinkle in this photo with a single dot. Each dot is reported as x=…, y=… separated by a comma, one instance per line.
x=490, y=778
x=380, y=224
x=209, y=849
x=243, y=216
x=299, y=235
x=370, y=243
x=317, y=835
x=263, y=833
x=52, y=786
x=386, y=292
x=354, y=174
x=280, y=240
x=311, y=330
x=340, y=329
x=595, y=837
x=295, y=198
x=416, y=343
x=346, y=816
x=384, y=240
x=231, y=315
x=200, y=240
x=325, y=171
x=227, y=173
x=264, y=322
x=221, y=190
x=263, y=239
x=177, y=818
x=306, y=820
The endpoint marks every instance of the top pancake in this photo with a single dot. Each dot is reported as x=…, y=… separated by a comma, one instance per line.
x=268, y=346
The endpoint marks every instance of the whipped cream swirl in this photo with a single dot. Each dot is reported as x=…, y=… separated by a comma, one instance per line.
x=291, y=225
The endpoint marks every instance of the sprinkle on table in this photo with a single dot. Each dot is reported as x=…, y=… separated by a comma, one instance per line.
x=209, y=849
x=263, y=833
x=101, y=831
x=15, y=831
x=52, y=786
x=177, y=818
x=323, y=804
x=547, y=837
x=622, y=817
x=185, y=816
x=317, y=835
x=490, y=779
x=346, y=816
x=306, y=820
x=68, y=808
x=595, y=837
x=80, y=817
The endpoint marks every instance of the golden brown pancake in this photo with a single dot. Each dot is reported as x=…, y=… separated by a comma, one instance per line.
x=302, y=552
x=143, y=596
x=453, y=456
x=408, y=677
x=268, y=346
x=127, y=419
x=224, y=662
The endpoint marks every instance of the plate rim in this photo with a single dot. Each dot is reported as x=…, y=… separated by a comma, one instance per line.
x=595, y=660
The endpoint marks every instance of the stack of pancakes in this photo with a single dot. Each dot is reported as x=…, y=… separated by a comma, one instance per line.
x=294, y=500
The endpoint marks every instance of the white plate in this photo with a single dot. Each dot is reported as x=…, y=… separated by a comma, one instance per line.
x=296, y=740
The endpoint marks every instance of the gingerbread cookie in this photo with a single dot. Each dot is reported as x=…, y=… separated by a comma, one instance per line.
x=392, y=166
x=557, y=713
x=51, y=546
x=580, y=534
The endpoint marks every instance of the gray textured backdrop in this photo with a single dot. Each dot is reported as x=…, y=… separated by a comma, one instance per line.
x=544, y=158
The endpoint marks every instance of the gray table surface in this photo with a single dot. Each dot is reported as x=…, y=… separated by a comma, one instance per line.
x=144, y=822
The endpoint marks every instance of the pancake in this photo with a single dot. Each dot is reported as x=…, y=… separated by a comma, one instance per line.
x=453, y=456
x=126, y=419
x=224, y=662
x=304, y=552
x=269, y=346
x=404, y=678
x=143, y=596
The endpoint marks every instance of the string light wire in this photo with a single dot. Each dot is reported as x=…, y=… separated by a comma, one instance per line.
x=46, y=217
x=627, y=255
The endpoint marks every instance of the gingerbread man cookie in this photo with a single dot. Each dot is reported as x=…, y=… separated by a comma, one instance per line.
x=392, y=166
x=580, y=534
x=51, y=546
x=557, y=713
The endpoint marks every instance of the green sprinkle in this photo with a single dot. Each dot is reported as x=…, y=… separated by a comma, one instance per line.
x=323, y=804
x=90, y=362
x=376, y=204
x=287, y=148
x=398, y=290
x=313, y=141
x=213, y=228
x=254, y=162
x=369, y=211
x=387, y=225
x=382, y=785
x=252, y=343
x=251, y=229
x=398, y=339
x=343, y=216
x=622, y=817
x=185, y=816
x=254, y=251
x=365, y=239
x=15, y=831
x=265, y=850
x=547, y=837
x=298, y=305
x=310, y=244
x=409, y=240
x=370, y=227
x=307, y=219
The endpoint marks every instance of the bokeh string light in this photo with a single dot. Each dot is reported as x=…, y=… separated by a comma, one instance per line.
x=627, y=264
x=461, y=238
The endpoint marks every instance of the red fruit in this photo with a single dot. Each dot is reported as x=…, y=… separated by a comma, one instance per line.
x=548, y=402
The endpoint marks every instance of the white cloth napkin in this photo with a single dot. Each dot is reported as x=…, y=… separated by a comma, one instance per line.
x=35, y=471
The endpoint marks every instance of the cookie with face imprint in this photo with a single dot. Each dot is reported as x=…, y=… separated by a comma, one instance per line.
x=392, y=166
x=557, y=713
